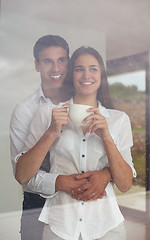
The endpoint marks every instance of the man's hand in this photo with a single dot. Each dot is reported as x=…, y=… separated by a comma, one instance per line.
x=94, y=188
x=68, y=182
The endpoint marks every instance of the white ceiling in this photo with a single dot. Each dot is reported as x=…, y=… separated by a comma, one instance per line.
x=125, y=22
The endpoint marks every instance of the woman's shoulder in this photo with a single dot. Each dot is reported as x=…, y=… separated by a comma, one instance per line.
x=111, y=113
x=118, y=115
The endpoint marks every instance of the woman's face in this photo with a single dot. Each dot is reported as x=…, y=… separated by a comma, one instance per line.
x=86, y=75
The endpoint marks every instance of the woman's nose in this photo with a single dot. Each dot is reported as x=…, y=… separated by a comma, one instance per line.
x=86, y=74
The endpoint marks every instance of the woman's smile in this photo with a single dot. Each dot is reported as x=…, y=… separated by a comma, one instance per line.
x=86, y=83
x=87, y=75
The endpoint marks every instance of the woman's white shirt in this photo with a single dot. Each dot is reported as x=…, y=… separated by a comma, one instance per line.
x=73, y=152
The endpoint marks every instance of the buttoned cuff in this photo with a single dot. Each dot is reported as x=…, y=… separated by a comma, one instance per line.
x=48, y=185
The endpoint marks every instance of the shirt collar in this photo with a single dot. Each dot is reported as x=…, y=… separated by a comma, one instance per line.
x=42, y=98
x=103, y=110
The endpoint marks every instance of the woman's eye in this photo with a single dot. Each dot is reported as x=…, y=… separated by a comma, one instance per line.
x=94, y=69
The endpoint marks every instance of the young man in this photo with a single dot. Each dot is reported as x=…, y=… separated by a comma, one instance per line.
x=51, y=60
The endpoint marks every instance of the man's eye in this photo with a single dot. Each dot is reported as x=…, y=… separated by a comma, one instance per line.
x=47, y=61
x=79, y=69
x=62, y=60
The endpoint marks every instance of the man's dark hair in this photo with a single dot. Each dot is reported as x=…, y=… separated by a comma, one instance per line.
x=49, y=41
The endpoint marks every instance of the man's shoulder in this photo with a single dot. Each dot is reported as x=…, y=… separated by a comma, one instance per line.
x=28, y=103
x=27, y=107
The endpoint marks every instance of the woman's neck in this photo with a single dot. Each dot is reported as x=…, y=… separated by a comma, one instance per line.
x=85, y=100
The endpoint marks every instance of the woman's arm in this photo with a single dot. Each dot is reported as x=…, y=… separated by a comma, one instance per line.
x=120, y=170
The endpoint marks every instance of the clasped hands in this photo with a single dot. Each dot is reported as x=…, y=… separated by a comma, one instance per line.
x=86, y=186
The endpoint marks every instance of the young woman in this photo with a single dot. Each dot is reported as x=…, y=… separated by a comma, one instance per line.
x=103, y=144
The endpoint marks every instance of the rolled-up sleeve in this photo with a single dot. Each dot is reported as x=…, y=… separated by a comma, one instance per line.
x=42, y=183
x=126, y=141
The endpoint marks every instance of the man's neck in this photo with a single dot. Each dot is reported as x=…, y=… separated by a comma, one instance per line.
x=54, y=94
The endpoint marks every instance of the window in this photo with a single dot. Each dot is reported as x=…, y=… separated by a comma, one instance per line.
x=128, y=78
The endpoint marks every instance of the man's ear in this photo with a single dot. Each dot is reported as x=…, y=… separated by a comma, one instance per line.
x=37, y=66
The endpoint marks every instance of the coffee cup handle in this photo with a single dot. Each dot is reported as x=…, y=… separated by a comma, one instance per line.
x=67, y=107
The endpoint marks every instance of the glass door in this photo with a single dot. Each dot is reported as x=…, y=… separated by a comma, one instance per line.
x=129, y=85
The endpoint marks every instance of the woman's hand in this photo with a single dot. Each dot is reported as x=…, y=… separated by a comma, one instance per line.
x=59, y=119
x=98, y=125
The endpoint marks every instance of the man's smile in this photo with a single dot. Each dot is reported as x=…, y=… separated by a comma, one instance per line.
x=56, y=76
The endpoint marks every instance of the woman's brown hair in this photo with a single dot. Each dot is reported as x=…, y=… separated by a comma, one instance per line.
x=103, y=94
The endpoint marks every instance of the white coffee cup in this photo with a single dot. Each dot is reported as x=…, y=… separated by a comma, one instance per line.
x=78, y=112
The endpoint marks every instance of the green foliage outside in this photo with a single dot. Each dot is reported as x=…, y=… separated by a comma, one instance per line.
x=132, y=101
x=127, y=93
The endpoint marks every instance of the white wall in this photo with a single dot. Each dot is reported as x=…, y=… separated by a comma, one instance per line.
x=18, y=79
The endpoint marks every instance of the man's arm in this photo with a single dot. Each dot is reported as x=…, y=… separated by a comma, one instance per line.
x=45, y=127
x=19, y=127
x=47, y=184
x=42, y=182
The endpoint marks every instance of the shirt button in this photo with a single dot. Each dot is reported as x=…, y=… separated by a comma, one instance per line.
x=83, y=155
x=80, y=219
x=84, y=140
x=82, y=203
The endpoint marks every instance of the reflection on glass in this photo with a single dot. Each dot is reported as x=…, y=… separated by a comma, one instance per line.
x=128, y=94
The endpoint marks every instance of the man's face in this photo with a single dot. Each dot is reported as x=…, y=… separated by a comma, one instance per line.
x=53, y=62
